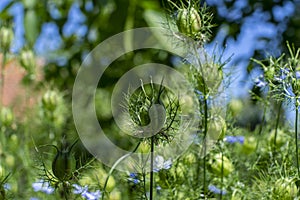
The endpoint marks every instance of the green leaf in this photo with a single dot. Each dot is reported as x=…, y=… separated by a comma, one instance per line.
x=31, y=26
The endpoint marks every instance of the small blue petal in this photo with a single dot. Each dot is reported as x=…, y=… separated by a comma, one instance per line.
x=230, y=139
x=259, y=82
x=216, y=190
x=7, y=186
x=136, y=181
x=297, y=74
x=42, y=186
x=167, y=164
x=241, y=139
x=34, y=198
x=132, y=175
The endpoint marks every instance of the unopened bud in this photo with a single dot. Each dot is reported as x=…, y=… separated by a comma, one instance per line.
x=27, y=60
x=64, y=163
x=217, y=162
x=6, y=37
x=6, y=117
x=50, y=100
x=188, y=21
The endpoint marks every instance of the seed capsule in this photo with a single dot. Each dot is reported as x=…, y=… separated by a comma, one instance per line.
x=6, y=37
x=215, y=165
x=64, y=163
x=50, y=100
x=27, y=60
x=6, y=117
x=188, y=21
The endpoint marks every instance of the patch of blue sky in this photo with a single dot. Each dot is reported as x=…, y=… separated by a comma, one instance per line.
x=54, y=12
x=253, y=29
x=280, y=13
x=17, y=11
x=48, y=40
x=75, y=23
x=3, y=4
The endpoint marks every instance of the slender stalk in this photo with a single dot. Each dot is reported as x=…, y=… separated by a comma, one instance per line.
x=277, y=125
x=222, y=174
x=151, y=168
x=2, y=77
x=144, y=184
x=261, y=126
x=296, y=137
x=204, y=139
x=116, y=164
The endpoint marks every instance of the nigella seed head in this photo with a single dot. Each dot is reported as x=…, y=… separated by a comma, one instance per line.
x=6, y=117
x=64, y=163
x=50, y=100
x=154, y=111
x=188, y=21
x=28, y=60
x=6, y=38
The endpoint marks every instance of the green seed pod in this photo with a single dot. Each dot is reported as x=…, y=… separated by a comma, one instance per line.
x=190, y=159
x=6, y=117
x=188, y=22
x=235, y=107
x=217, y=128
x=281, y=138
x=6, y=37
x=29, y=3
x=144, y=117
x=50, y=100
x=215, y=165
x=31, y=26
x=249, y=145
x=27, y=60
x=209, y=77
x=64, y=163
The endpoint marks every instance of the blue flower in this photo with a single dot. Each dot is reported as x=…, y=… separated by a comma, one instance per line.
x=133, y=178
x=7, y=186
x=259, y=82
x=234, y=139
x=160, y=163
x=83, y=191
x=158, y=189
x=91, y=195
x=297, y=74
x=216, y=190
x=42, y=186
x=34, y=198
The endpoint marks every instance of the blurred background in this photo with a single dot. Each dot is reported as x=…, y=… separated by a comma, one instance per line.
x=63, y=32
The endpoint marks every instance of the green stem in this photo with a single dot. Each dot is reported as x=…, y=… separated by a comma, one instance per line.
x=222, y=174
x=2, y=77
x=261, y=126
x=296, y=137
x=204, y=139
x=116, y=164
x=151, y=168
x=277, y=125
